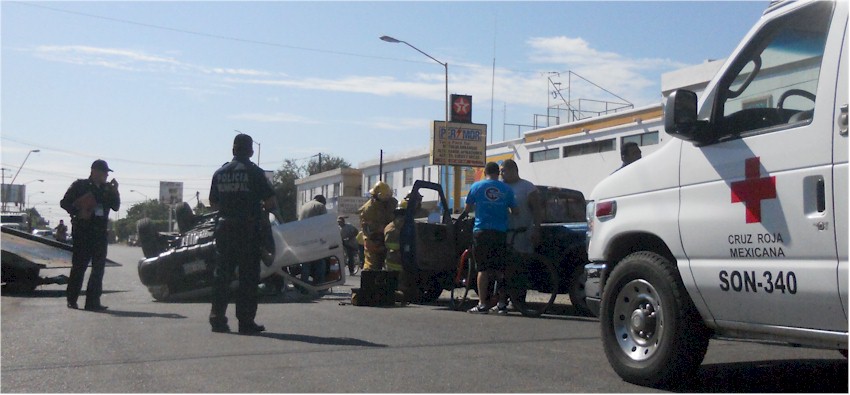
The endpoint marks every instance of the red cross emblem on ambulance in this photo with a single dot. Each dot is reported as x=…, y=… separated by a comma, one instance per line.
x=753, y=189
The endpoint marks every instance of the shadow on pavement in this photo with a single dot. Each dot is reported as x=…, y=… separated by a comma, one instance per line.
x=335, y=341
x=140, y=314
x=810, y=375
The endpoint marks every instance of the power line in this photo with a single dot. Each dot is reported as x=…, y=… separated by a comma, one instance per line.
x=204, y=34
x=244, y=40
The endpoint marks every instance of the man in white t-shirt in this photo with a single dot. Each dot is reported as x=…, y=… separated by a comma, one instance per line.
x=528, y=214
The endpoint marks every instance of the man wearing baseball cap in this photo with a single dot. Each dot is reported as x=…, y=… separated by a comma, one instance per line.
x=88, y=201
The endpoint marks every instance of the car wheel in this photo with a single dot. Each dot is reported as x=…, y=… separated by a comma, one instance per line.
x=578, y=278
x=148, y=238
x=160, y=293
x=651, y=331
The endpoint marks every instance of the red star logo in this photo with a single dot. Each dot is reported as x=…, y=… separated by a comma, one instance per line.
x=461, y=106
x=752, y=190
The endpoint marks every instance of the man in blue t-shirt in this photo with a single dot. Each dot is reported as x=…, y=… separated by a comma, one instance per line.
x=491, y=200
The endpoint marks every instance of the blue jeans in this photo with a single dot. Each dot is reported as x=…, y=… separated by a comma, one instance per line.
x=315, y=269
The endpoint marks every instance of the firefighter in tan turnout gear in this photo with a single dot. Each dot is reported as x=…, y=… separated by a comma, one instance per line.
x=375, y=215
x=392, y=239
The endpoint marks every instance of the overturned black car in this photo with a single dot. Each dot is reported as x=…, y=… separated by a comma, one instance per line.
x=178, y=265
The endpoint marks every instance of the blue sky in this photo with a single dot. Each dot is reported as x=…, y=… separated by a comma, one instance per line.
x=158, y=88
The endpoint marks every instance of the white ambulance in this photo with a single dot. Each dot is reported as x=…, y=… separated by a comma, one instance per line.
x=737, y=228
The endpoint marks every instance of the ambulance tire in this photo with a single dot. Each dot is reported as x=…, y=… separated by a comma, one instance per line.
x=645, y=344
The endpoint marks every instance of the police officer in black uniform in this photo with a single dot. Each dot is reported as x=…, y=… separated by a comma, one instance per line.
x=88, y=201
x=240, y=192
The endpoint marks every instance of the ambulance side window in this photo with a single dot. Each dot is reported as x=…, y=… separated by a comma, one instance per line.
x=773, y=82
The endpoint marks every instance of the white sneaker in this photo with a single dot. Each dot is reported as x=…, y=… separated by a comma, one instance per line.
x=479, y=309
x=500, y=309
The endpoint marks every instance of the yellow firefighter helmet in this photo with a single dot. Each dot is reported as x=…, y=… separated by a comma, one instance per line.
x=381, y=190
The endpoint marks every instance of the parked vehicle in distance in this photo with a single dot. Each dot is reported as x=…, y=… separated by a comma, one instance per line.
x=46, y=233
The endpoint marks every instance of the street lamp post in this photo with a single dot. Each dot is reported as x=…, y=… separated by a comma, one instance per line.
x=22, y=164
x=456, y=187
x=145, y=205
x=259, y=147
x=19, y=171
x=28, y=197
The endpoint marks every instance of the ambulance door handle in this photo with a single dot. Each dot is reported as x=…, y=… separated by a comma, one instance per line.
x=821, y=195
x=842, y=121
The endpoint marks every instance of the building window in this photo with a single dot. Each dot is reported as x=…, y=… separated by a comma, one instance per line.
x=649, y=138
x=548, y=154
x=336, y=189
x=370, y=182
x=388, y=178
x=407, y=175
x=593, y=147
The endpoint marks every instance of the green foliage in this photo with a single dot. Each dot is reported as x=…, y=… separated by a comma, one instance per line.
x=284, y=180
x=158, y=213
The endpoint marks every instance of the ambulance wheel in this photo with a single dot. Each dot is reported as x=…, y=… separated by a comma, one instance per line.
x=651, y=331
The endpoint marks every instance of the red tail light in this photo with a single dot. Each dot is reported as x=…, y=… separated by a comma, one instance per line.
x=606, y=210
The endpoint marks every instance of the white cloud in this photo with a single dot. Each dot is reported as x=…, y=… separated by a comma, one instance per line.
x=637, y=79
x=246, y=72
x=396, y=124
x=274, y=118
x=121, y=59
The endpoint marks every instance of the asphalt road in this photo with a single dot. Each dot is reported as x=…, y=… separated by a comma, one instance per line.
x=327, y=345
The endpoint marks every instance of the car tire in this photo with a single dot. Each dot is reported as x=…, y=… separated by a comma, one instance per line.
x=160, y=293
x=577, y=280
x=148, y=238
x=651, y=332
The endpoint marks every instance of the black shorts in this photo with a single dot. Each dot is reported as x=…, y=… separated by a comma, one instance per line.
x=490, y=251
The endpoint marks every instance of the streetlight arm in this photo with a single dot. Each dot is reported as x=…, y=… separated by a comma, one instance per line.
x=25, y=161
x=393, y=40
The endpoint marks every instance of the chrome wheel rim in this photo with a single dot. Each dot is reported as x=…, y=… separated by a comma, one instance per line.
x=638, y=320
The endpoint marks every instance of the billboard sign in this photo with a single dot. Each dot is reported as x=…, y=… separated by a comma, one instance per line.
x=458, y=144
x=14, y=193
x=170, y=192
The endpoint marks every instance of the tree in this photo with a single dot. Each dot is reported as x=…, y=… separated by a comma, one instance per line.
x=158, y=213
x=284, y=180
x=322, y=163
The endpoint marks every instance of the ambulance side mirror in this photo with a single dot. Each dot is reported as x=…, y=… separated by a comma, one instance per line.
x=680, y=117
